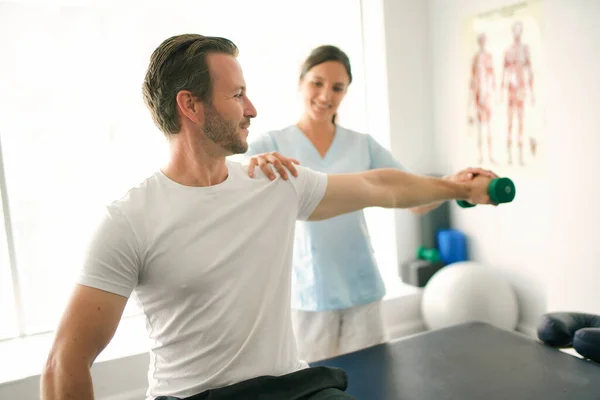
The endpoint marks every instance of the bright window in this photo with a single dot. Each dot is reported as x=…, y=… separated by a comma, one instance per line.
x=75, y=131
x=8, y=314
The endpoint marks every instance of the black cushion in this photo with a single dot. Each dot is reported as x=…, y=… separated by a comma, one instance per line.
x=558, y=329
x=587, y=343
x=572, y=329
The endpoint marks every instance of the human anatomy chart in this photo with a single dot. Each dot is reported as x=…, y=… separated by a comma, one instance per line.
x=505, y=88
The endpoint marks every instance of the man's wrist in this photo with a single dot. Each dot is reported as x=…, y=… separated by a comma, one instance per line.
x=467, y=189
x=462, y=190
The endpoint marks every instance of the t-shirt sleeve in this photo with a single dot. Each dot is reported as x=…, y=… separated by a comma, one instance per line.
x=112, y=262
x=262, y=144
x=382, y=157
x=310, y=186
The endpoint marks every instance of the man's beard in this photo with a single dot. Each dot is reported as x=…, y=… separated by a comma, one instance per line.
x=223, y=132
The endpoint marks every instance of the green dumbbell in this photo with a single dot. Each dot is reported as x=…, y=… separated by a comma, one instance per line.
x=424, y=253
x=501, y=190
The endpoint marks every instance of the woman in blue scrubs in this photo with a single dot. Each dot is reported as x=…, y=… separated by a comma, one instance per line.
x=337, y=288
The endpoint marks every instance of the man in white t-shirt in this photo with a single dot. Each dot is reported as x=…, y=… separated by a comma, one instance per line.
x=206, y=248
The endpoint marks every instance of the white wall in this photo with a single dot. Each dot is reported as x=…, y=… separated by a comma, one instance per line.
x=544, y=240
x=573, y=126
x=408, y=61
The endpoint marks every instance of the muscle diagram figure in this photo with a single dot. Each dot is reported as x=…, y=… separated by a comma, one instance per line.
x=482, y=88
x=517, y=77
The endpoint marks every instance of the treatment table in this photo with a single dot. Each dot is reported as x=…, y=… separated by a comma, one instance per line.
x=468, y=361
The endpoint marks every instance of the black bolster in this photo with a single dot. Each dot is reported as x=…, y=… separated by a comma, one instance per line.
x=587, y=343
x=558, y=328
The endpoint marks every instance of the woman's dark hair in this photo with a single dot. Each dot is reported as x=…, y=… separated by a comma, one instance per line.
x=323, y=54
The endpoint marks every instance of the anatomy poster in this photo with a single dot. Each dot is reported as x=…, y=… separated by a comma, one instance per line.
x=504, y=82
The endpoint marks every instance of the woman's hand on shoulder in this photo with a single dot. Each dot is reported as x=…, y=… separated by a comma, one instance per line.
x=265, y=160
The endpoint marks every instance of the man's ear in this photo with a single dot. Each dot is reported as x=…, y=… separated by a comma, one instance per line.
x=190, y=107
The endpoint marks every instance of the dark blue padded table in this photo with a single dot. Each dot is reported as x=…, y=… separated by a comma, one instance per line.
x=469, y=361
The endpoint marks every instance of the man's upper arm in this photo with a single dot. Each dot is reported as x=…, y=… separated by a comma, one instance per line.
x=346, y=193
x=310, y=188
x=109, y=275
x=112, y=262
x=88, y=324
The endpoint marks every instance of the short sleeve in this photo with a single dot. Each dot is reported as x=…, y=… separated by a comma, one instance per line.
x=262, y=144
x=310, y=186
x=382, y=157
x=112, y=261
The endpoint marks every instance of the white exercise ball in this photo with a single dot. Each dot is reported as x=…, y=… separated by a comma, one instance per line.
x=466, y=292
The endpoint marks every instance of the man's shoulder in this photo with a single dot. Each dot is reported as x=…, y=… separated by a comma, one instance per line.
x=240, y=169
x=136, y=198
x=259, y=184
x=308, y=179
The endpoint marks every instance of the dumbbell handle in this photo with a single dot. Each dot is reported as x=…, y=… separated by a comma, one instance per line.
x=501, y=190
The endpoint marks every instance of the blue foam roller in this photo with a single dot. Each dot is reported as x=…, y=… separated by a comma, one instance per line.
x=452, y=245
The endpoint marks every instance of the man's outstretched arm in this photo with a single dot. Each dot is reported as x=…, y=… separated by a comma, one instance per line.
x=390, y=188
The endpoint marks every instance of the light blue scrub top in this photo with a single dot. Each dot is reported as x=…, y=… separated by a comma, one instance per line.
x=334, y=266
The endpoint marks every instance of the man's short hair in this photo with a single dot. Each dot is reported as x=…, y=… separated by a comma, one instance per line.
x=180, y=63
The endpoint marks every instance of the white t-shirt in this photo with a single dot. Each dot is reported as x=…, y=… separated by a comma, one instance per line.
x=211, y=267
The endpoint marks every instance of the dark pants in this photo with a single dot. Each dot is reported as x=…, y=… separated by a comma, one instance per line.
x=317, y=383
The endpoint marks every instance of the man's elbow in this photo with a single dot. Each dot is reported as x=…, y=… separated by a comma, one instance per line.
x=49, y=377
x=51, y=364
x=56, y=362
x=322, y=213
x=418, y=211
x=64, y=374
x=63, y=360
